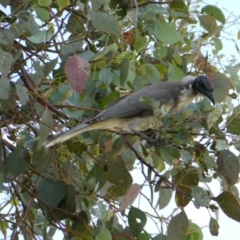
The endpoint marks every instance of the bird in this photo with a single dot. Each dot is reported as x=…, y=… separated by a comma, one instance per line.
x=129, y=114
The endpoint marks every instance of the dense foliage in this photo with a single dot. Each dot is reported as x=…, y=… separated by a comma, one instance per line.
x=63, y=61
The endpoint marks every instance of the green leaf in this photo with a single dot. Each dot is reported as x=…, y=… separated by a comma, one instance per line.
x=238, y=35
x=175, y=74
x=98, y=4
x=208, y=22
x=136, y=220
x=144, y=236
x=201, y=196
x=213, y=227
x=228, y=166
x=104, y=234
x=178, y=227
x=51, y=191
x=41, y=37
x=4, y=88
x=184, y=181
x=222, y=85
x=167, y=33
x=229, y=204
x=41, y=157
x=105, y=22
x=22, y=94
x=140, y=43
x=233, y=122
x=150, y=72
x=44, y=3
x=16, y=163
x=215, y=12
x=169, y=154
x=80, y=227
x=43, y=14
x=124, y=70
x=62, y=4
x=114, y=170
x=68, y=205
x=194, y=232
x=218, y=45
x=165, y=195
x=160, y=51
x=160, y=237
x=45, y=125
x=5, y=63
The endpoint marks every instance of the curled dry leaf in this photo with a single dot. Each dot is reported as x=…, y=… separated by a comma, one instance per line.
x=77, y=71
x=130, y=196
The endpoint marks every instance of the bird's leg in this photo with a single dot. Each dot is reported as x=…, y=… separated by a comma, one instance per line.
x=150, y=138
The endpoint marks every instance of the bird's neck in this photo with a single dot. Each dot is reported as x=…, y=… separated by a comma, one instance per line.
x=186, y=97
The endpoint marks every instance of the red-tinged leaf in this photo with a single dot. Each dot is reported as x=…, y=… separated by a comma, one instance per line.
x=222, y=85
x=213, y=227
x=77, y=71
x=178, y=227
x=184, y=181
x=229, y=204
x=228, y=166
x=130, y=196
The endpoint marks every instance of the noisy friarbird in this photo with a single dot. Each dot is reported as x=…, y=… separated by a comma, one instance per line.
x=130, y=114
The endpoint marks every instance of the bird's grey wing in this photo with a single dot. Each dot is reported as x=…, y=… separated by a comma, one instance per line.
x=130, y=106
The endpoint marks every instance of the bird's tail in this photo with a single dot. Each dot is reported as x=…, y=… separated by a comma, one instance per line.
x=67, y=135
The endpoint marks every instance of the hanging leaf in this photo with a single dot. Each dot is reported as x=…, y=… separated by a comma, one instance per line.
x=77, y=71
x=104, y=234
x=169, y=154
x=62, y=4
x=215, y=12
x=201, y=196
x=222, y=85
x=114, y=170
x=43, y=14
x=130, y=196
x=178, y=227
x=16, y=163
x=167, y=33
x=45, y=125
x=175, y=73
x=229, y=204
x=213, y=227
x=228, y=166
x=124, y=70
x=194, y=232
x=22, y=94
x=51, y=191
x=208, y=22
x=149, y=72
x=184, y=181
x=105, y=22
x=4, y=88
x=136, y=220
x=233, y=122
x=165, y=195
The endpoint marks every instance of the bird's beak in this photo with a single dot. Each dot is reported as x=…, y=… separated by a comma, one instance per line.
x=209, y=95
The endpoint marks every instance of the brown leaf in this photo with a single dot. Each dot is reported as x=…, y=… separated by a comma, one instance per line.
x=77, y=71
x=213, y=227
x=130, y=196
x=229, y=204
x=228, y=166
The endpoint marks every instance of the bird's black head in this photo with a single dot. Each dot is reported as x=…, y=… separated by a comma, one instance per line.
x=203, y=86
